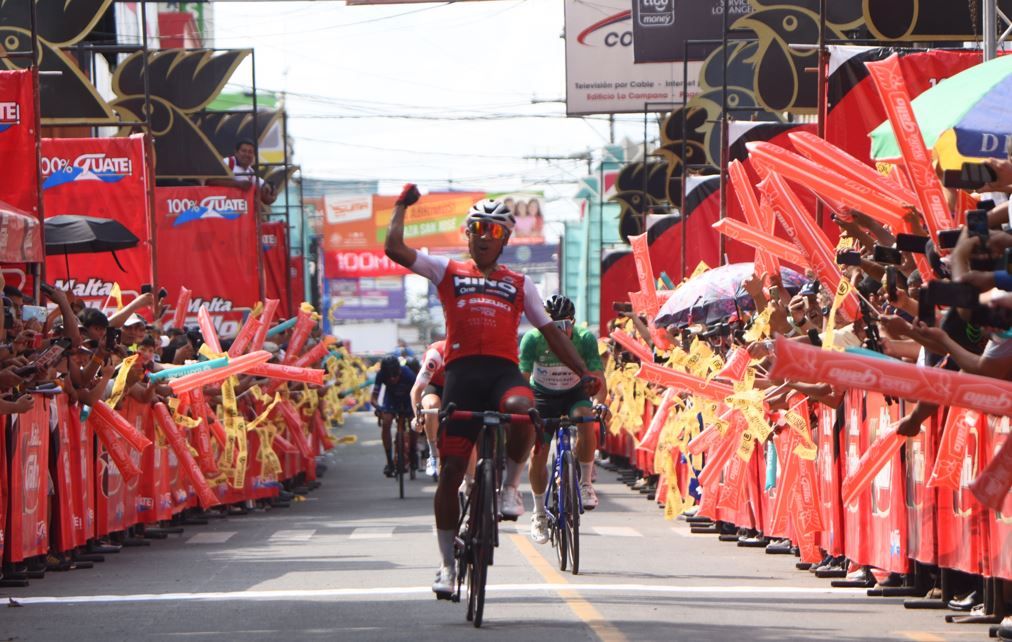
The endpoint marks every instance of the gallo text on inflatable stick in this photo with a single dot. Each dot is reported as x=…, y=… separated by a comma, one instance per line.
x=298, y=374
x=235, y=366
x=888, y=78
x=182, y=307
x=177, y=442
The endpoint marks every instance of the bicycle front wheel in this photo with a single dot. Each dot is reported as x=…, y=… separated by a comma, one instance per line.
x=399, y=460
x=562, y=510
x=572, y=521
x=483, y=542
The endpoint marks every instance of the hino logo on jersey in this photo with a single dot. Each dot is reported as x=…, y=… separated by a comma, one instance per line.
x=464, y=285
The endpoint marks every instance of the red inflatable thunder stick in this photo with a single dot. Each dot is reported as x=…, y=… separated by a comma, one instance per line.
x=182, y=307
x=235, y=366
x=120, y=426
x=207, y=330
x=245, y=337
x=766, y=262
x=300, y=334
x=636, y=348
x=282, y=373
x=266, y=319
x=664, y=376
x=888, y=78
x=774, y=247
x=809, y=238
x=177, y=442
x=849, y=193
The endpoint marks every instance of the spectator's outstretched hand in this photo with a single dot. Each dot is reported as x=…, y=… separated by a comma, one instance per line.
x=1003, y=169
x=409, y=195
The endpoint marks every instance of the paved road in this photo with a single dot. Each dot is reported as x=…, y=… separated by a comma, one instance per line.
x=353, y=561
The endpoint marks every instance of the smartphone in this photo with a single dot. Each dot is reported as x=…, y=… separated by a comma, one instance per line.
x=112, y=336
x=947, y=238
x=960, y=295
x=774, y=293
x=162, y=293
x=145, y=288
x=850, y=257
x=33, y=313
x=976, y=224
x=887, y=255
x=25, y=371
x=813, y=336
x=987, y=205
x=911, y=243
x=926, y=309
x=619, y=306
x=977, y=174
x=891, y=283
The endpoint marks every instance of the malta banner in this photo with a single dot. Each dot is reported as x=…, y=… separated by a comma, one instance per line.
x=854, y=107
x=17, y=141
x=105, y=178
x=207, y=242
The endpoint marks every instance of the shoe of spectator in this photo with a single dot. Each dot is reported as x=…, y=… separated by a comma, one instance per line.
x=964, y=603
x=782, y=547
x=512, y=503
x=539, y=528
x=446, y=581
x=588, y=497
x=640, y=483
x=1005, y=629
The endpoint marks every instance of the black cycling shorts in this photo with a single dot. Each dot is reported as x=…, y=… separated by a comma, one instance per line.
x=477, y=383
x=433, y=389
x=553, y=406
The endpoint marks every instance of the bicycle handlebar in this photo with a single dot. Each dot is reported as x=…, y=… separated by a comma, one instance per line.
x=450, y=412
x=556, y=421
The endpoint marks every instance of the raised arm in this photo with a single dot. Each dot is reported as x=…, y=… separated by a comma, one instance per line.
x=395, y=247
x=118, y=319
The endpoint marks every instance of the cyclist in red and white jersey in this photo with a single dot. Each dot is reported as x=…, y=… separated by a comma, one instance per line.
x=427, y=394
x=482, y=301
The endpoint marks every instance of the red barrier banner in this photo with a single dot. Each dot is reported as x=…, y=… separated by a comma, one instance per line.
x=1000, y=534
x=4, y=487
x=17, y=141
x=856, y=514
x=888, y=78
x=216, y=228
x=28, y=500
x=106, y=178
x=922, y=499
x=65, y=476
x=827, y=463
x=887, y=526
x=82, y=464
x=890, y=377
x=962, y=520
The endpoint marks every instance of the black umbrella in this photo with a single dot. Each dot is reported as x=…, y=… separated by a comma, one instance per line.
x=71, y=234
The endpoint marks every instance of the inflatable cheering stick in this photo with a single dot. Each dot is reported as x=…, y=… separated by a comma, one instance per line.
x=190, y=468
x=245, y=337
x=208, y=331
x=239, y=365
x=304, y=324
x=266, y=319
x=182, y=307
x=120, y=426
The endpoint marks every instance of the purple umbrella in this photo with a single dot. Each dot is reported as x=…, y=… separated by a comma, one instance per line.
x=717, y=295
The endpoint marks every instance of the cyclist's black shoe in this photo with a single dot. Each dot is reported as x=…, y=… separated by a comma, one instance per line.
x=388, y=470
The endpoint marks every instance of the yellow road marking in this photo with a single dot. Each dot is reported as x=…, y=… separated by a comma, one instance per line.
x=579, y=606
x=921, y=636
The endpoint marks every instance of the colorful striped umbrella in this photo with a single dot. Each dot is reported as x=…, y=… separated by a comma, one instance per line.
x=965, y=118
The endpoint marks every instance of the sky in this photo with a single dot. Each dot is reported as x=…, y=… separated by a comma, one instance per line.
x=351, y=74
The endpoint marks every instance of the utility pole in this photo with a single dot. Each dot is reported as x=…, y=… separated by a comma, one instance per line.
x=988, y=22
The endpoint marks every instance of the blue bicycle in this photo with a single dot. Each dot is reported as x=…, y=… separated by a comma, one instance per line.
x=562, y=499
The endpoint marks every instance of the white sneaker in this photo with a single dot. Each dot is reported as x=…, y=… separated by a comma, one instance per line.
x=539, y=528
x=430, y=467
x=512, y=502
x=446, y=581
x=588, y=497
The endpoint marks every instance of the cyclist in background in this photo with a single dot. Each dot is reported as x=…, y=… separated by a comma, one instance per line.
x=558, y=393
x=427, y=394
x=398, y=380
x=482, y=301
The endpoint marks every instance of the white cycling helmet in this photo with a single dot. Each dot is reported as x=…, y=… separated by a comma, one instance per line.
x=492, y=211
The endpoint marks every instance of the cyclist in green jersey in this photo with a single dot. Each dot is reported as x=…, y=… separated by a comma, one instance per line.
x=557, y=392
